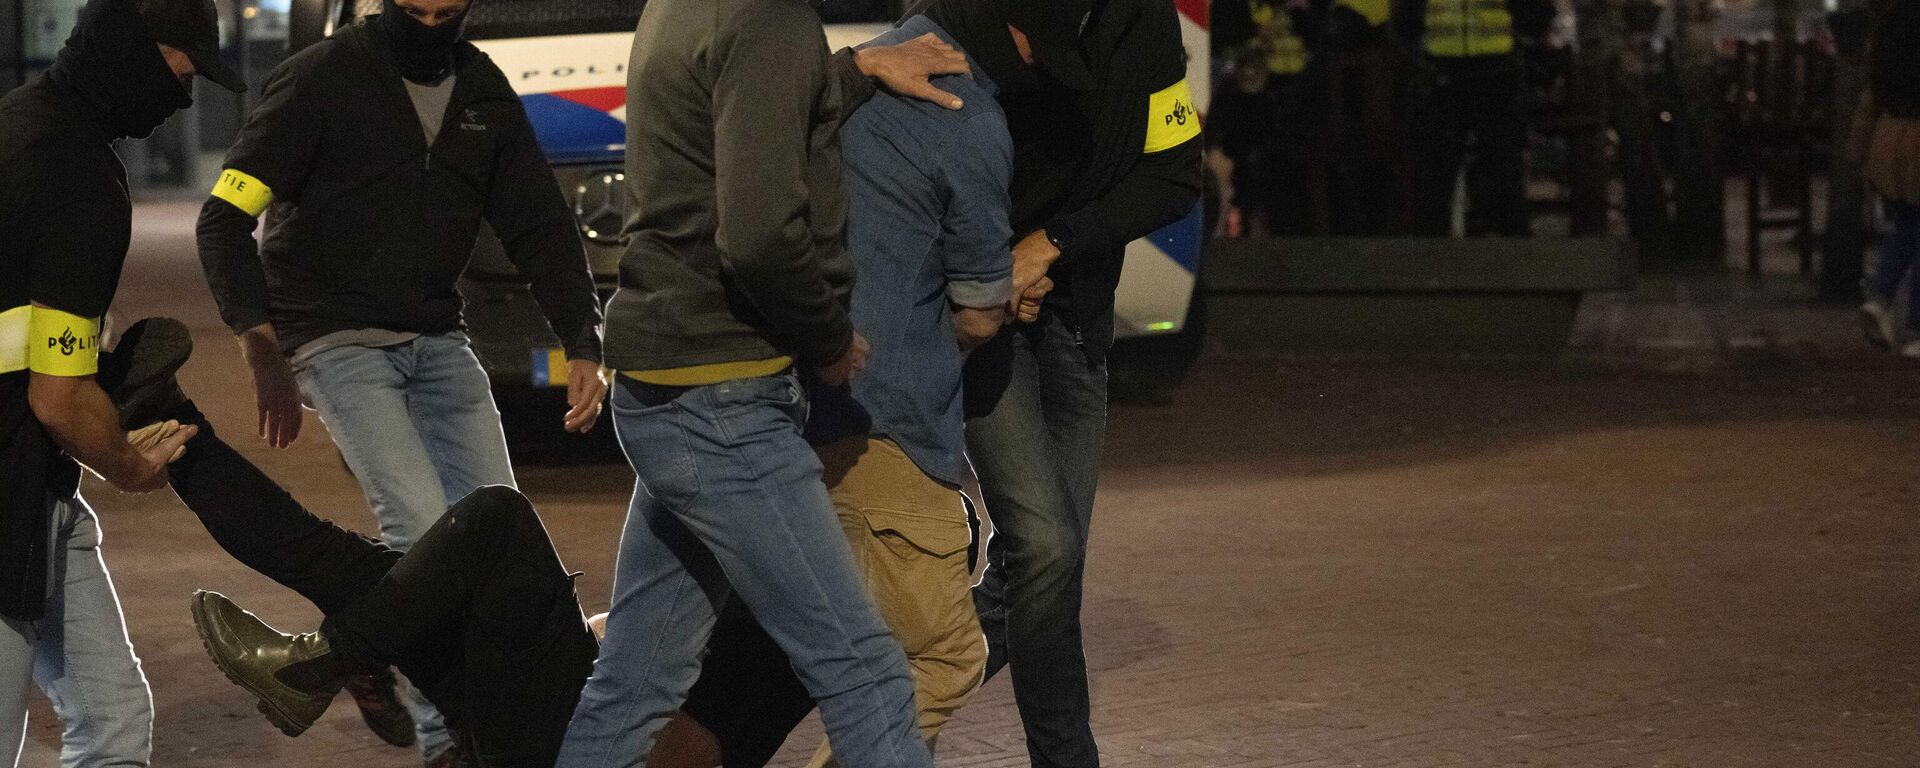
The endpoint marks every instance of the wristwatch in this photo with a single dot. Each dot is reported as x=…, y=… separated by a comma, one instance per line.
x=1061, y=236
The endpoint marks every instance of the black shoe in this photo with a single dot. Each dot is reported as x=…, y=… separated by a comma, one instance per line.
x=381, y=709
x=138, y=373
x=295, y=677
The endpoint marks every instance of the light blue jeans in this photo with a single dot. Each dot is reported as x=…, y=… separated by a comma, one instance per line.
x=730, y=501
x=79, y=655
x=418, y=427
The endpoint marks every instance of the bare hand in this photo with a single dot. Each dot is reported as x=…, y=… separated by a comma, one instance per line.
x=278, y=397
x=1027, y=309
x=158, y=445
x=908, y=68
x=1032, y=256
x=849, y=365
x=586, y=391
x=274, y=389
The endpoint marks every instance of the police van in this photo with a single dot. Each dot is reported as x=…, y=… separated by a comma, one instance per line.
x=568, y=58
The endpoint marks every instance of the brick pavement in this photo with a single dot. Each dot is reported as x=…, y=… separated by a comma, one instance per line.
x=1614, y=561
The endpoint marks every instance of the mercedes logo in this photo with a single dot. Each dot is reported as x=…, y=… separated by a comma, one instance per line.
x=600, y=204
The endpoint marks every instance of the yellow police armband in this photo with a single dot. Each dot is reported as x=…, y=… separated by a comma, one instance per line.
x=245, y=192
x=61, y=344
x=1172, y=119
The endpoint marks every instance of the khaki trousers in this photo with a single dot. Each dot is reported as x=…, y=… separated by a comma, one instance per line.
x=909, y=537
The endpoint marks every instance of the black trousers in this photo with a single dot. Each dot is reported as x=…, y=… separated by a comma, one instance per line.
x=1481, y=98
x=479, y=614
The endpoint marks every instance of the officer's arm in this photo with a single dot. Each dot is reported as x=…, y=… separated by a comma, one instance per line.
x=270, y=161
x=1162, y=187
x=541, y=238
x=1167, y=180
x=80, y=418
x=73, y=273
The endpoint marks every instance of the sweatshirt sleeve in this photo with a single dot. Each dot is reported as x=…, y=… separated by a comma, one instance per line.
x=271, y=160
x=772, y=71
x=1165, y=182
x=528, y=213
x=856, y=89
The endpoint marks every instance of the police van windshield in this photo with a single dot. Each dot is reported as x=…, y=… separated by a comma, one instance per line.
x=500, y=19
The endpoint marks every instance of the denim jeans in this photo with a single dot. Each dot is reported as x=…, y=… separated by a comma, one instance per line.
x=418, y=427
x=910, y=539
x=1037, y=408
x=79, y=655
x=730, y=501
x=1898, y=253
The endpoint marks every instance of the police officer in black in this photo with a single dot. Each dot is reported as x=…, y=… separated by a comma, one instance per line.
x=1106, y=151
x=65, y=225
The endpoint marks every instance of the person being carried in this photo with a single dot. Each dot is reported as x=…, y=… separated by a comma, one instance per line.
x=479, y=613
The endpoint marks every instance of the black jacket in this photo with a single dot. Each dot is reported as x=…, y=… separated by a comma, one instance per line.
x=368, y=225
x=65, y=224
x=1083, y=168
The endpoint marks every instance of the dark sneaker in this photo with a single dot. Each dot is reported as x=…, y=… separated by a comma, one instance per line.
x=293, y=675
x=138, y=374
x=380, y=707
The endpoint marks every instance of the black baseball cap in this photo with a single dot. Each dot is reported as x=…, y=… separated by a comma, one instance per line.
x=193, y=26
x=1054, y=27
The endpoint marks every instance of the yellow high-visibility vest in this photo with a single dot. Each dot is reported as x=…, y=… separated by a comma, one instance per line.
x=1374, y=11
x=1286, y=52
x=1461, y=28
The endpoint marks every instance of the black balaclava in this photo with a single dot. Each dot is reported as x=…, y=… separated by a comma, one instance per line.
x=115, y=65
x=1052, y=28
x=423, y=54
x=980, y=27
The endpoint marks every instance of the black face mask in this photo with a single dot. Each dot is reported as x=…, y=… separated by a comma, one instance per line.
x=423, y=54
x=139, y=116
x=111, y=60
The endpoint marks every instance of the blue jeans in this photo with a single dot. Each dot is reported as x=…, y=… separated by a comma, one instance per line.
x=1897, y=255
x=1037, y=416
x=79, y=656
x=417, y=425
x=730, y=501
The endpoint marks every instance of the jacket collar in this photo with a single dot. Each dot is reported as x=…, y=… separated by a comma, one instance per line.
x=466, y=65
